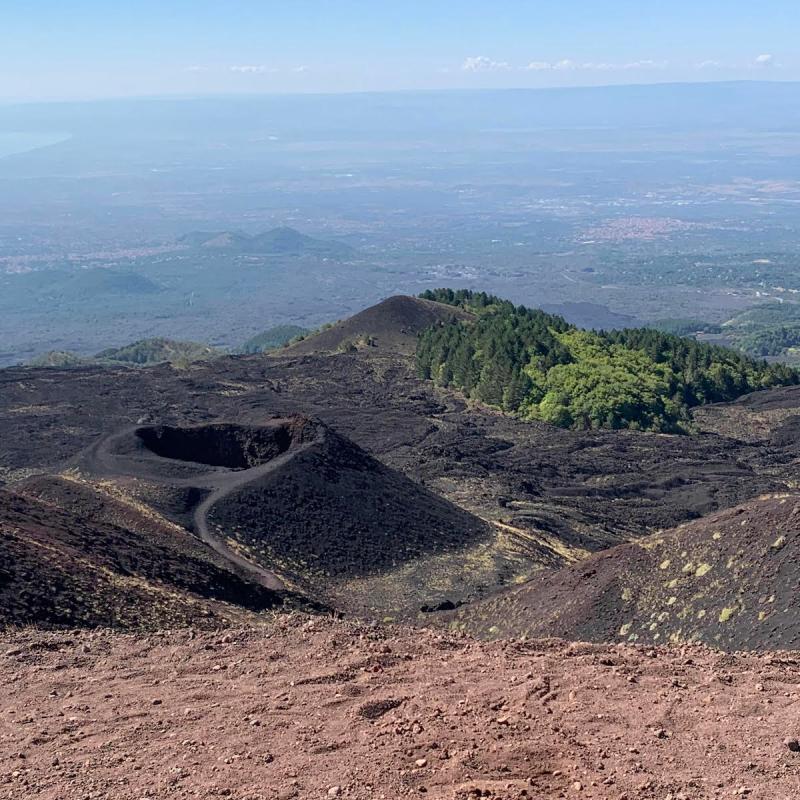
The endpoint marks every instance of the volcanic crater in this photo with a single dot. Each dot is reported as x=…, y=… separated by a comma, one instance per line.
x=229, y=445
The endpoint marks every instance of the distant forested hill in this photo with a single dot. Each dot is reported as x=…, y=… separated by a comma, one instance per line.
x=537, y=365
x=143, y=353
x=277, y=242
x=768, y=330
x=772, y=329
x=158, y=351
x=273, y=338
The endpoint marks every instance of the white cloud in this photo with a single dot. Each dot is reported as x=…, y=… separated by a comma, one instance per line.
x=483, y=64
x=567, y=64
x=249, y=69
x=301, y=68
x=543, y=66
x=710, y=64
x=647, y=63
x=196, y=68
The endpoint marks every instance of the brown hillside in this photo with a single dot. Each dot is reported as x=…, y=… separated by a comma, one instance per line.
x=731, y=579
x=550, y=495
x=390, y=326
x=71, y=556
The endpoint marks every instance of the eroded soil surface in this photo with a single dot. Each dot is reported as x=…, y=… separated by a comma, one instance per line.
x=312, y=708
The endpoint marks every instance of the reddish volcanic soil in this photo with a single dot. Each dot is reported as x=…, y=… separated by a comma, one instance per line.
x=313, y=708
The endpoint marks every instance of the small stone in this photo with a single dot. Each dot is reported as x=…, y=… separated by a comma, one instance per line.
x=577, y=786
x=793, y=745
x=156, y=702
x=421, y=762
x=334, y=791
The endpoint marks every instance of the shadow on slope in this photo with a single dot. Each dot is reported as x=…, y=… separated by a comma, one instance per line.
x=336, y=519
x=74, y=556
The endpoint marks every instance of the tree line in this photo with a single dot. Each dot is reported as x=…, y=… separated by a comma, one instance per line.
x=538, y=366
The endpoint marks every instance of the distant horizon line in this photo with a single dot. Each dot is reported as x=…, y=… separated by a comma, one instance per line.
x=182, y=96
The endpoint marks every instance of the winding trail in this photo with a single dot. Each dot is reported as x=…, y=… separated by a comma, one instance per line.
x=228, y=484
x=99, y=460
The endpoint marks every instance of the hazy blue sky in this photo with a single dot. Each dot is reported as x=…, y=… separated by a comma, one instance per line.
x=98, y=48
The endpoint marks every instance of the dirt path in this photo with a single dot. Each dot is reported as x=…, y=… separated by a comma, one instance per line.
x=311, y=708
x=226, y=484
x=100, y=460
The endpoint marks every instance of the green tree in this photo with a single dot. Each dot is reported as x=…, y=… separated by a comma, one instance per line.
x=536, y=365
